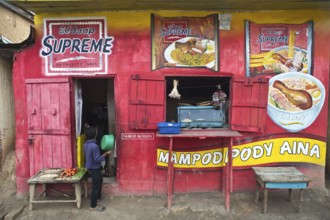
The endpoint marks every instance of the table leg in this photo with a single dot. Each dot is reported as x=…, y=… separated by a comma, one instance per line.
x=228, y=175
x=32, y=188
x=44, y=190
x=170, y=175
x=300, y=200
x=230, y=158
x=265, y=201
x=86, y=187
x=290, y=195
x=256, y=200
x=77, y=189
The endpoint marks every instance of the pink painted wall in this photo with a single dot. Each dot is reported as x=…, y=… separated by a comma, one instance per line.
x=137, y=171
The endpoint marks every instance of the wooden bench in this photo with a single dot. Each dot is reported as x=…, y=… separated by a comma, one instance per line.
x=280, y=178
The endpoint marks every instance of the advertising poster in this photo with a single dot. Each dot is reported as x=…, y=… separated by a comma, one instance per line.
x=76, y=46
x=187, y=42
x=278, y=48
x=295, y=100
x=275, y=151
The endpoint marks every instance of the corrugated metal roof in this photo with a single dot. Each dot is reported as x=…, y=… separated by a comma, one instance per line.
x=56, y=6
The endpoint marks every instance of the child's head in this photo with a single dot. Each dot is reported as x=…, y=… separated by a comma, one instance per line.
x=90, y=133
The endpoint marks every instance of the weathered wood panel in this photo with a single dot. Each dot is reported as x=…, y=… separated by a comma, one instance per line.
x=249, y=105
x=49, y=124
x=146, y=102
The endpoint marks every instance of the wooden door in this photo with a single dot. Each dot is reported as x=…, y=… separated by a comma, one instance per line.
x=49, y=123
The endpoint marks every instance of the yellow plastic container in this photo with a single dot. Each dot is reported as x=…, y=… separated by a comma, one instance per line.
x=80, y=151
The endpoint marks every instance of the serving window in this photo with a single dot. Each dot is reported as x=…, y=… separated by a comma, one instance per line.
x=198, y=102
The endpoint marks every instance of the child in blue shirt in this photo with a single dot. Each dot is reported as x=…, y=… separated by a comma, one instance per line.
x=94, y=161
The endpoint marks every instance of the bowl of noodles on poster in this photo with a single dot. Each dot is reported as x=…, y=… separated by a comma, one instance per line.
x=295, y=100
x=191, y=51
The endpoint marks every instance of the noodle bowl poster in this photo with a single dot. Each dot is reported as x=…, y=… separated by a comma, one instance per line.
x=278, y=48
x=185, y=42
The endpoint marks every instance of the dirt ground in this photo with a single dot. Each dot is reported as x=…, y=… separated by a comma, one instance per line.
x=190, y=206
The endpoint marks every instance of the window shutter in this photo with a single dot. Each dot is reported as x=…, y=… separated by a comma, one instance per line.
x=146, y=104
x=249, y=104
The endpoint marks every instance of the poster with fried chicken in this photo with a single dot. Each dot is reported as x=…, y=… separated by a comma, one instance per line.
x=185, y=42
x=278, y=48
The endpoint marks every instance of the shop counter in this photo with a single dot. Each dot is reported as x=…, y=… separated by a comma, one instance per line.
x=202, y=134
x=48, y=177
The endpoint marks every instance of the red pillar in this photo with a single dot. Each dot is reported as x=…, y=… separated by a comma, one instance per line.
x=21, y=143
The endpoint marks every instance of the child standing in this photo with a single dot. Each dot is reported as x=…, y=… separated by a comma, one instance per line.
x=94, y=161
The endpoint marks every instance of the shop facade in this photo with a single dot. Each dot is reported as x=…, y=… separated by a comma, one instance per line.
x=118, y=71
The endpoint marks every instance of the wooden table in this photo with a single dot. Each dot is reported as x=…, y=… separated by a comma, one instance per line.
x=280, y=178
x=76, y=180
x=202, y=134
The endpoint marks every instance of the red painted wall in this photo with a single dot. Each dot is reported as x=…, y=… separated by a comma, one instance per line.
x=137, y=171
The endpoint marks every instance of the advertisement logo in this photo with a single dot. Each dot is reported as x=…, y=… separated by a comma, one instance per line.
x=76, y=46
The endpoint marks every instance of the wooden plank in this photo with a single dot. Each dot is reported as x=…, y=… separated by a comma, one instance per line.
x=64, y=131
x=38, y=154
x=57, y=152
x=32, y=159
x=47, y=148
x=34, y=106
x=66, y=147
x=54, y=107
x=286, y=185
x=46, y=80
x=46, y=103
x=64, y=106
x=272, y=169
x=217, y=133
x=280, y=174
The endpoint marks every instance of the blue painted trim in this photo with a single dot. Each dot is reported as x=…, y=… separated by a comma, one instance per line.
x=287, y=185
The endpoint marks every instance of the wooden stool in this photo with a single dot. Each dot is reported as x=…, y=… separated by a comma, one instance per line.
x=280, y=178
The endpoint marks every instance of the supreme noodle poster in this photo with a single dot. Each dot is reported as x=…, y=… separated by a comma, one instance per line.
x=187, y=42
x=278, y=48
x=76, y=46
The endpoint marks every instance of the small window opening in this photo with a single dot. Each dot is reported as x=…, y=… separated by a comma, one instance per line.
x=203, y=102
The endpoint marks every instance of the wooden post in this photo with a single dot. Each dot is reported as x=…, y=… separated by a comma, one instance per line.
x=256, y=200
x=32, y=188
x=265, y=200
x=300, y=200
x=77, y=190
x=228, y=176
x=170, y=175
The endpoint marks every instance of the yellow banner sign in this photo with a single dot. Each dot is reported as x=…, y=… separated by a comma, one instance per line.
x=277, y=150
